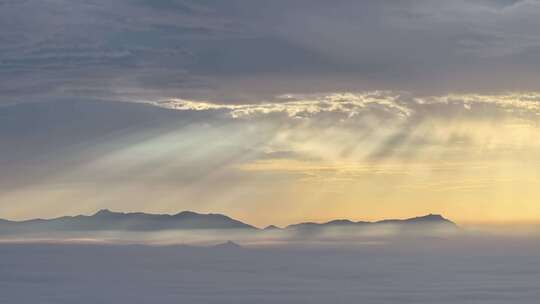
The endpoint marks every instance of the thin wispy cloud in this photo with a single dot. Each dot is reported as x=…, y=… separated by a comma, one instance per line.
x=399, y=105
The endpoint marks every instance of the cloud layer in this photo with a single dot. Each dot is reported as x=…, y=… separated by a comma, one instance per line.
x=397, y=104
x=245, y=51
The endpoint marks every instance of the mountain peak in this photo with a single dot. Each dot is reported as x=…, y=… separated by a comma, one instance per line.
x=227, y=245
x=272, y=227
x=186, y=213
x=341, y=222
x=103, y=212
x=430, y=217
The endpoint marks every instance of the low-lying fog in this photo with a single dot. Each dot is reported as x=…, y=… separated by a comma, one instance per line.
x=457, y=268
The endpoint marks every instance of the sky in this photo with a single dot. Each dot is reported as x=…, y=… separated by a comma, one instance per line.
x=272, y=112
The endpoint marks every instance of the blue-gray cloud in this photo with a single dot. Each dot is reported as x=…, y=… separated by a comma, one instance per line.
x=252, y=50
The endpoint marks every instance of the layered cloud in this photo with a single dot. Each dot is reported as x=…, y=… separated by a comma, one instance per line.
x=242, y=50
x=301, y=106
x=347, y=106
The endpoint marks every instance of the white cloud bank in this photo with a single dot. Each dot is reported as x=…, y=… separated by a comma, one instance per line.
x=401, y=105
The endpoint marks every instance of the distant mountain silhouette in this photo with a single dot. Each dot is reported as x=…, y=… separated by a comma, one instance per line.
x=107, y=220
x=104, y=220
x=271, y=227
x=427, y=221
x=229, y=245
x=334, y=223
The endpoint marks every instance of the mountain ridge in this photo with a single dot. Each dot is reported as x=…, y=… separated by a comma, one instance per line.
x=105, y=219
x=425, y=219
